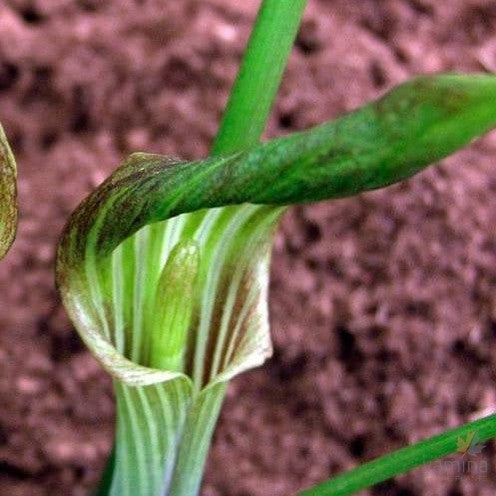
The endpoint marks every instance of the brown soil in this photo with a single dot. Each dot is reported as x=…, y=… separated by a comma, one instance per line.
x=383, y=306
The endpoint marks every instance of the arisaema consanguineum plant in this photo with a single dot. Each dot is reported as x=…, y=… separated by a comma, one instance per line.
x=8, y=193
x=164, y=267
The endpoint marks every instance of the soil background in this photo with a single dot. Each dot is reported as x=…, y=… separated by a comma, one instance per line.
x=383, y=306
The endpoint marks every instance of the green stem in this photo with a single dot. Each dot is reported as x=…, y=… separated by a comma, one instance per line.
x=108, y=474
x=405, y=459
x=260, y=75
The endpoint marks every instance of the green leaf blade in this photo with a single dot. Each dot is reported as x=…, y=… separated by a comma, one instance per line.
x=382, y=143
x=403, y=460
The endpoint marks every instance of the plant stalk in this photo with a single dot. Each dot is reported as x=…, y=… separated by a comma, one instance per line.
x=260, y=75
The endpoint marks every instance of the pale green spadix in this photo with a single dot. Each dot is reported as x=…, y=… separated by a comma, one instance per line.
x=114, y=249
x=173, y=307
x=8, y=193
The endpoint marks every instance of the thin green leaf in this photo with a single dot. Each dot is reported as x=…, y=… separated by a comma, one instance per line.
x=404, y=460
x=119, y=243
x=8, y=195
